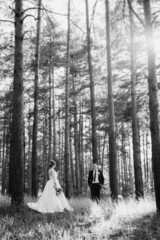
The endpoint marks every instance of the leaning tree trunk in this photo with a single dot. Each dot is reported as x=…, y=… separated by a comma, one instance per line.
x=16, y=173
x=35, y=121
x=66, y=154
x=112, y=139
x=153, y=102
x=93, y=113
x=135, y=135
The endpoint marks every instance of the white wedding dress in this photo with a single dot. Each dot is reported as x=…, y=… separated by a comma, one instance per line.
x=49, y=202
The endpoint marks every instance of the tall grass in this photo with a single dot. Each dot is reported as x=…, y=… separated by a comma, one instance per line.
x=107, y=220
x=126, y=211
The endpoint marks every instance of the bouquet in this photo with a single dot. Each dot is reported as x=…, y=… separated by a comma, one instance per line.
x=58, y=191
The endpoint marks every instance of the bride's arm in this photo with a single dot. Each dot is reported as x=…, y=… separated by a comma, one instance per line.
x=54, y=178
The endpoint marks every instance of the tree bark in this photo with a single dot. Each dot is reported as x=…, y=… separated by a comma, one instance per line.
x=81, y=148
x=153, y=102
x=16, y=174
x=35, y=121
x=3, y=180
x=72, y=164
x=124, y=160
x=50, y=116
x=54, y=117
x=76, y=140
x=135, y=135
x=92, y=91
x=66, y=154
x=29, y=177
x=112, y=139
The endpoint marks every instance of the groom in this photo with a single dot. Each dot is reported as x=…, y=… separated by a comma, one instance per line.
x=95, y=182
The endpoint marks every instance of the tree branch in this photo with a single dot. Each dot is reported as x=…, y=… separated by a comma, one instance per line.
x=28, y=15
x=28, y=9
x=93, y=13
x=77, y=26
x=61, y=14
x=12, y=9
x=130, y=6
x=43, y=8
x=26, y=32
x=9, y=21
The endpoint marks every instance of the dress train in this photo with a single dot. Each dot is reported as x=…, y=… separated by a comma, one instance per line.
x=50, y=202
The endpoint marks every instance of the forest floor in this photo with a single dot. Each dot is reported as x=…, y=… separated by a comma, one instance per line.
x=127, y=220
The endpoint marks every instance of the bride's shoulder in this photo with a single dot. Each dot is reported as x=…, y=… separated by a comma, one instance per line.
x=51, y=170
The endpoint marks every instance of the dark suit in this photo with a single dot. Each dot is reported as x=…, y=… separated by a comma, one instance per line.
x=95, y=187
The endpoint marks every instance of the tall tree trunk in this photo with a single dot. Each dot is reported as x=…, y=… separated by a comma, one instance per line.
x=63, y=160
x=3, y=180
x=50, y=117
x=59, y=139
x=135, y=136
x=112, y=139
x=29, y=158
x=147, y=161
x=7, y=160
x=92, y=92
x=44, y=143
x=66, y=154
x=71, y=164
x=144, y=158
x=35, y=121
x=81, y=148
x=131, y=182
x=16, y=174
x=153, y=102
x=54, y=117
x=124, y=160
x=103, y=148
x=76, y=140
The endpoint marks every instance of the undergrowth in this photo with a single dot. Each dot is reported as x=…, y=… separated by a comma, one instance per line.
x=127, y=219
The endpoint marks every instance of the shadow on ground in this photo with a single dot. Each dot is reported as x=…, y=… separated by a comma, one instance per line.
x=143, y=228
x=21, y=221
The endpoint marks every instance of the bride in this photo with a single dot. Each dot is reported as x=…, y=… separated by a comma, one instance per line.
x=52, y=199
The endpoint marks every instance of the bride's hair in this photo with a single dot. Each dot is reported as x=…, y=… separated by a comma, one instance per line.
x=52, y=163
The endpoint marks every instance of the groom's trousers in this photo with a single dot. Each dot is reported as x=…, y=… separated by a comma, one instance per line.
x=95, y=191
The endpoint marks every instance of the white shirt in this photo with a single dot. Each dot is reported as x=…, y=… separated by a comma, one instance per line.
x=96, y=179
